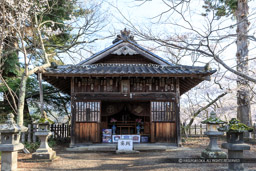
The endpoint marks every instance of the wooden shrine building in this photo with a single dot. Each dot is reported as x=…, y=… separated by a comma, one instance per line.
x=125, y=82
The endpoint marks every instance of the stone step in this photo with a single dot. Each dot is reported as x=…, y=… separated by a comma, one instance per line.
x=102, y=148
x=93, y=148
x=151, y=147
x=113, y=147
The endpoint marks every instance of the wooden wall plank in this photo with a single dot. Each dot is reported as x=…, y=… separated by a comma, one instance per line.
x=98, y=133
x=87, y=132
x=168, y=130
x=81, y=132
x=152, y=130
x=146, y=128
x=92, y=135
x=77, y=132
x=158, y=132
x=164, y=132
x=87, y=127
x=84, y=130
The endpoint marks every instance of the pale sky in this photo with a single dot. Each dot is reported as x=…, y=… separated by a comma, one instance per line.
x=142, y=14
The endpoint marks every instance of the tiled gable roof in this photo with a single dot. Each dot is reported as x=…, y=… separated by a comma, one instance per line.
x=127, y=69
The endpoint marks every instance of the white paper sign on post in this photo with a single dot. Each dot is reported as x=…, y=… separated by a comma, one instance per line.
x=125, y=145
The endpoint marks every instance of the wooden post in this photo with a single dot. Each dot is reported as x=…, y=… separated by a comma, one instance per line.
x=63, y=131
x=183, y=133
x=41, y=94
x=254, y=130
x=66, y=130
x=73, y=113
x=55, y=131
x=29, y=133
x=195, y=129
x=69, y=130
x=201, y=132
x=178, y=112
x=35, y=126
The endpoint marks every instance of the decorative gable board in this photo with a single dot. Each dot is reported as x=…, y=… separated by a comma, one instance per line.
x=125, y=51
x=125, y=59
x=125, y=48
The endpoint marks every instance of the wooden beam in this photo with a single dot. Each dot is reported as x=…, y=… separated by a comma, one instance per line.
x=125, y=75
x=162, y=96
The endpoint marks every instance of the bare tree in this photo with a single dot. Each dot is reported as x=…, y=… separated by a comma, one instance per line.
x=24, y=20
x=208, y=41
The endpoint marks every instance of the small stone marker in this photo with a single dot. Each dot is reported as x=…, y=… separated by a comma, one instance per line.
x=125, y=145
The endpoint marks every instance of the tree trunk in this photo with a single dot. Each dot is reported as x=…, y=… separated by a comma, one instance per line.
x=243, y=90
x=21, y=102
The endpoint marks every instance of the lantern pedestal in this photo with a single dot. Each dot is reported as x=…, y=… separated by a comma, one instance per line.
x=235, y=145
x=44, y=151
x=213, y=150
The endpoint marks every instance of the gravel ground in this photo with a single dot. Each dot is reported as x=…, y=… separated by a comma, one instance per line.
x=142, y=161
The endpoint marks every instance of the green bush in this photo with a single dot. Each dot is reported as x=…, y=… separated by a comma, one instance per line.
x=52, y=143
x=33, y=146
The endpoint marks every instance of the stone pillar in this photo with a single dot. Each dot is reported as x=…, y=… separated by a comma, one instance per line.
x=10, y=143
x=44, y=151
x=235, y=146
x=213, y=150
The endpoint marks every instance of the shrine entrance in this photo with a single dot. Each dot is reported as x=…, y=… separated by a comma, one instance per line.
x=127, y=115
x=126, y=122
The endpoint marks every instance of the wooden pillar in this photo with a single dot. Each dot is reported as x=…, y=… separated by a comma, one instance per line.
x=41, y=94
x=73, y=114
x=178, y=135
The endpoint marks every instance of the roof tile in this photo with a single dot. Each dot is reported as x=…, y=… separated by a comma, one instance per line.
x=127, y=69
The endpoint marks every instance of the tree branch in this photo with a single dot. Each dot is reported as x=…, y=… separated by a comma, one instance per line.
x=204, y=108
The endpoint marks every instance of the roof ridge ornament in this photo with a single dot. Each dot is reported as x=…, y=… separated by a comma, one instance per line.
x=125, y=36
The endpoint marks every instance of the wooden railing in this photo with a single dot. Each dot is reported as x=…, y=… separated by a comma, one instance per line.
x=60, y=132
x=198, y=130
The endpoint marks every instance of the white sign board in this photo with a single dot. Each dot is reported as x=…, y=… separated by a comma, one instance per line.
x=125, y=145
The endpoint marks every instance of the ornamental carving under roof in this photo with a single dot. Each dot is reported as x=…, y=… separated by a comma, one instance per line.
x=124, y=51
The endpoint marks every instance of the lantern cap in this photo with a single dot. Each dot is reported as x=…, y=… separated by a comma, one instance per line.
x=10, y=125
x=213, y=119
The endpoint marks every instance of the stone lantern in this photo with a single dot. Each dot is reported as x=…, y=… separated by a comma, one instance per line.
x=235, y=142
x=43, y=133
x=10, y=143
x=213, y=150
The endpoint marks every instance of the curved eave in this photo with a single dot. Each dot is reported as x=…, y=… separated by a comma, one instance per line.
x=187, y=81
x=62, y=83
